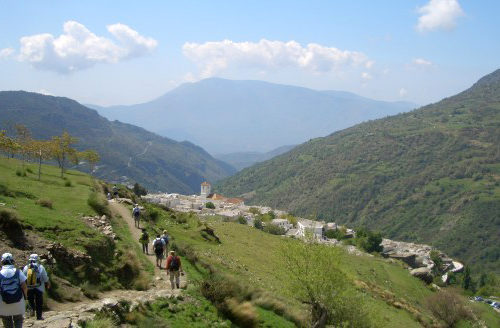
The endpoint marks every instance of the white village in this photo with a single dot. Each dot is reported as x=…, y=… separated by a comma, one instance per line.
x=416, y=256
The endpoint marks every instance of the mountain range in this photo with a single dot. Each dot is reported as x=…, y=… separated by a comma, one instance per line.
x=430, y=176
x=128, y=153
x=228, y=116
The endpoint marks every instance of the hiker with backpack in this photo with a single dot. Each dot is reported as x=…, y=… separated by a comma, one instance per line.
x=174, y=269
x=136, y=212
x=165, y=239
x=13, y=292
x=37, y=281
x=144, y=240
x=158, y=246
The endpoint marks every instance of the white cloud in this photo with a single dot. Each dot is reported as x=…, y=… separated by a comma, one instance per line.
x=422, y=62
x=78, y=48
x=5, y=53
x=216, y=56
x=403, y=92
x=366, y=76
x=439, y=14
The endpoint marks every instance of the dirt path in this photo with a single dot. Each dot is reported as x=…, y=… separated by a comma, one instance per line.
x=68, y=314
x=126, y=215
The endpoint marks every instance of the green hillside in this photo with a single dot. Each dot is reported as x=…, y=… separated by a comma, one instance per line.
x=429, y=176
x=251, y=267
x=158, y=163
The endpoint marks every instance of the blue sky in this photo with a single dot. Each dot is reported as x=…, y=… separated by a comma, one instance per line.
x=124, y=52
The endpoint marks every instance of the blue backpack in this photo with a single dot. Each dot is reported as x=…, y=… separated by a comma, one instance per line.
x=10, y=288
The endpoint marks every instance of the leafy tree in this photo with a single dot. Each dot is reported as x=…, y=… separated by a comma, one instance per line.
x=92, y=157
x=274, y=229
x=257, y=223
x=331, y=298
x=368, y=240
x=210, y=205
x=23, y=139
x=467, y=279
x=254, y=210
x=41, y=150
x=61, y=149
x=438, y=262
x=242, y=220
x=139, y=190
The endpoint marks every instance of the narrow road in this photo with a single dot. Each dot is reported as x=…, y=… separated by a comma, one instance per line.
x=143, y=153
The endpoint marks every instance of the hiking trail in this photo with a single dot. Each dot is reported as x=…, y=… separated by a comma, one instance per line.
x=65, y=315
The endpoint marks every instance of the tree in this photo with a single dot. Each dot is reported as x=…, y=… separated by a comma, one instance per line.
x=467, y=279
x=92, y=157
x=139, y=190
x=210, y=205
x=24, y=140
x=242, y=220
x=438, y=262
x=61, y=149
x=8, y=144
x=257, y=223
x=317, y=279
x=41, y=150
x=368, y=240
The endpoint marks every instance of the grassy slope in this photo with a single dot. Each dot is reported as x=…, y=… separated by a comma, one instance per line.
x=61, y=223
x=253, y=258
x=432, y=176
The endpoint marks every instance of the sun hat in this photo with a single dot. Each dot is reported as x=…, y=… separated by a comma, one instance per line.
x=7, y=258
x=33, y=258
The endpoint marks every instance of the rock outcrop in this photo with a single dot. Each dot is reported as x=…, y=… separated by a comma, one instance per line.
x=103, y=224
x=423, y=274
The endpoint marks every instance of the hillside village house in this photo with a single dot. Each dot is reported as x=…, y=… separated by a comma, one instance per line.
x=282, y=223
x=305, y=226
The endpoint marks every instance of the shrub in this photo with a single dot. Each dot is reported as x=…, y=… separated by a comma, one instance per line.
x=274, y=229
x=6, y=192
x=44, y=202
x=139, y=190
x=242, y=220
x=11, y=226
x=210, y=205
x=20, y=173
x=29, y=170
x=243, y=314
x=67, y=183
x=254, y=210
x=448, y=307
x=105, y=322
x=98, y=203
x=257, y=223
x=90, y=290
x=368, y=240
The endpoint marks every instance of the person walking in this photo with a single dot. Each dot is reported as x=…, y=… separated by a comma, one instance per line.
x=115, y=192
x=136, y=213
x=174, y=268
x=166, y=241
x=13, y=292
x=144, y=240
x=37, y=281
x=158, y=246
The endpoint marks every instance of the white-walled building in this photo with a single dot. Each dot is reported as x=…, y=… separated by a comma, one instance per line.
x=206, y=189
x=282, y=223
x=305, y=226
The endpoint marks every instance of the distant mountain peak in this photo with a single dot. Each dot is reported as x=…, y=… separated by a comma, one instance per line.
x=492, y=78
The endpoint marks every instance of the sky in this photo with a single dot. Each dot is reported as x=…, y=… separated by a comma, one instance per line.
x=127, y=52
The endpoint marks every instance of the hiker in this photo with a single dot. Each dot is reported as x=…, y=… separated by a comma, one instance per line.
x=165, y=239
x=37, y=281
x=144, y=240
x=108, y=196
x=13, y=293
x=158, y=246
x=115, y=191
x=136, y=212
x=174, y=269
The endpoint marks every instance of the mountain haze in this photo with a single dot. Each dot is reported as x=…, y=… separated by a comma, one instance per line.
x=431, y=175
x=242, y=160
x=226, y=116
x=156, y=162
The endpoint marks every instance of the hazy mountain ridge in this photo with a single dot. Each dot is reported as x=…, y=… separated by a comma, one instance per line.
x=157, y=162
x=226, y=116
x=241, y=160
x=431, y=175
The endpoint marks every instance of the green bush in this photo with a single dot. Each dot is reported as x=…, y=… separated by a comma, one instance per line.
x=20, y=173
x=210, y=205
x=67, y=183
x=257, y=223
x=99, y=203
x=368, y=240
x=43, y=202
x=274, y=229
x=242, y=220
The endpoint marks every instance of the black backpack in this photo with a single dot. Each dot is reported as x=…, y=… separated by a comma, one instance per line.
x=174, y=264
x=158, y=245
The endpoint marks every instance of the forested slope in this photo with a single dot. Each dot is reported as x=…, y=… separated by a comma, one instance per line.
x=158, y=163
x=431, y=175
